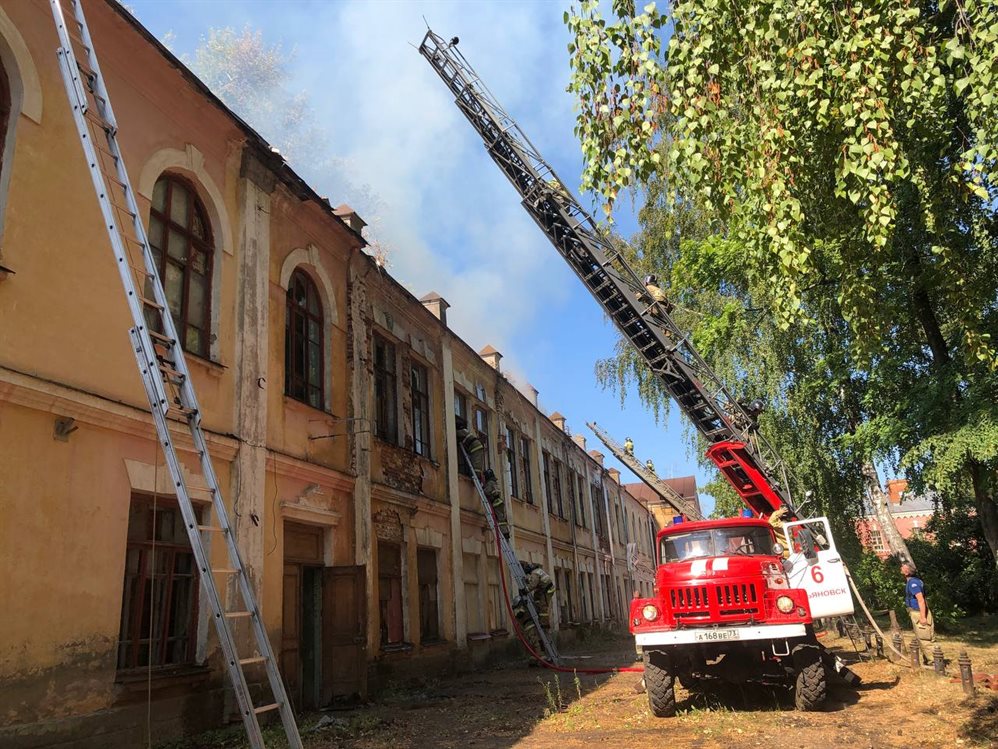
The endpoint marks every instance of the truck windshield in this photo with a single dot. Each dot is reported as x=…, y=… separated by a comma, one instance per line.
x=716, y=542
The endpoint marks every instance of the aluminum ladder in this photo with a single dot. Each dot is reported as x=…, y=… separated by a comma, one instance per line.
x=669, y=495
x=161, y=363
x=512, y=563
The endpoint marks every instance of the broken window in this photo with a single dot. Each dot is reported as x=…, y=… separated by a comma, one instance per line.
x=481, y=424
x=581, y=494
x=548, y=489
x=556, y=484
x=159, y=602
x=303, y=363
x=511, y=477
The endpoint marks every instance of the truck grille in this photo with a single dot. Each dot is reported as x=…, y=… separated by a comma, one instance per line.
x=728, y=601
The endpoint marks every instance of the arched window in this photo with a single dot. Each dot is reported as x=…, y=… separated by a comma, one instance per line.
x=303, y=360
x=181, y=240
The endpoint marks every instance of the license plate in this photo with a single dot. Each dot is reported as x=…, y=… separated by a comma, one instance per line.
x=715, y=635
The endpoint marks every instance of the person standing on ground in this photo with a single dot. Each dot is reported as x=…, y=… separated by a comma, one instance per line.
x=918, y=607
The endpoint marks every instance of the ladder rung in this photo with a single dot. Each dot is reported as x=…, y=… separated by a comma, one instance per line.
x=266, y=708
x=151, y=303
x=100, y=121
x=251, y=661
x=238, y=614
x=171, y=372
x=211, y=529
x=183, y=410
x=159, y=338
x=124, y=209
x=225, y=570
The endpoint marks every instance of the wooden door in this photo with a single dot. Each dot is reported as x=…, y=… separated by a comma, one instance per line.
x=291, y=633
x=344, y=632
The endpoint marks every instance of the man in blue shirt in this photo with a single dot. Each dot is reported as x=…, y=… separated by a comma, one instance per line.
x=918, y=608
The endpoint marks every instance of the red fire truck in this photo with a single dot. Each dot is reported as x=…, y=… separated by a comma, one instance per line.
x=736, y=600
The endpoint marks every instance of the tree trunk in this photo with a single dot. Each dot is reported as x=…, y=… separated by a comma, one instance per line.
x=878, y=497
x=984, y=499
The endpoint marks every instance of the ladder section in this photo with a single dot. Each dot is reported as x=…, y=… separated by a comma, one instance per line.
x=163, y=368
x=736, y=465
x=600, y=264
x=669, y=495
x=509, y=557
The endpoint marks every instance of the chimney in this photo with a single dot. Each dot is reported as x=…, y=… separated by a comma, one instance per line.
x=491, y=357
x=580, y=441
x=350, y=218
x=558, y=420
x=532, y=394
x=597, y=456
x=437, y=306
x=615, y=475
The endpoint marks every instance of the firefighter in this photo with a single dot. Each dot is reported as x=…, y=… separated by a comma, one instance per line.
x=776, y=523
x=629, y=446
x=656, y=293
x=649, y=466
x=468, y=439
x=540, y=587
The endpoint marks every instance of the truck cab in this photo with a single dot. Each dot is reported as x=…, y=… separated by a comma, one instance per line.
x=733, y=601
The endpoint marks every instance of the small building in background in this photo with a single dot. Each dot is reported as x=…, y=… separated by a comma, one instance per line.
x=911, y=514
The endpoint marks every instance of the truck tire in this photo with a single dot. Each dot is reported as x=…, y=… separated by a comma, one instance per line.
x=811, y=686
x=660, y=684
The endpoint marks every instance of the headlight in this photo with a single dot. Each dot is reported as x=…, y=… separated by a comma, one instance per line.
x=650, y=613
x=785, y=604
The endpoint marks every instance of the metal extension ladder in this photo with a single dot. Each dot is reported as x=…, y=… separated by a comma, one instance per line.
x=669, y=495
x=512, y=563
x=161, y=362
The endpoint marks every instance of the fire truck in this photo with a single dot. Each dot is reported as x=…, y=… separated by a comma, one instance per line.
x=734, y=599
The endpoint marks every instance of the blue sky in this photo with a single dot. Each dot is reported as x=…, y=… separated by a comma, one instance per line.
x=450, y=220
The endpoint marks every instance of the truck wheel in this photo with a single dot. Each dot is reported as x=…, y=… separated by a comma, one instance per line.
x=660, y=684
x=811, y=687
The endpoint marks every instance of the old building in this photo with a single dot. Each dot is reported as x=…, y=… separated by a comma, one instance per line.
x=328, y=393
x=910, y=514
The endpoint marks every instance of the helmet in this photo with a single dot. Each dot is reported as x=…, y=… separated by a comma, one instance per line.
x=651, y=280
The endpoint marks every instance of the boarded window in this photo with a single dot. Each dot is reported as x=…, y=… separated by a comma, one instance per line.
x=429, y=616
x=497, y=607
x=159, y=602
x=390, y=593
x=472, y=606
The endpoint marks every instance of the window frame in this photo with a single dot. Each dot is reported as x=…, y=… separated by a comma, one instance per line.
x=511, y=465
x=390, y=579
x=429, y=595
x=422, y=434
x=294, y=312
x=148, y=549
x=386, y=422
x=525, y=466
x=556, y=484
x=205, y=245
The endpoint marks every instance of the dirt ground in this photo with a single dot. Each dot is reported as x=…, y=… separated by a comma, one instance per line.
x=532, y=708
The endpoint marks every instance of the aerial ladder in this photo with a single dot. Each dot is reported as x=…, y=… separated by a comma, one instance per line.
x=740, y=452
x=512, y=563
x=670, y=496
x=163, y=369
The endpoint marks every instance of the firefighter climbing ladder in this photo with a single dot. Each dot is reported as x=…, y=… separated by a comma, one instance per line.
x=161, y=362
x=673, y=498
x=512, y=563
x=603, y=269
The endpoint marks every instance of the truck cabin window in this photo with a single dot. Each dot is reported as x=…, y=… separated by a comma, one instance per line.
x=716, y=542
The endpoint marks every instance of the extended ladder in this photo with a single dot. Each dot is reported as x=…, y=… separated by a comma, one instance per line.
x=669, y=495
x=512, y=563
x=161, y=363
x=603, y=268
